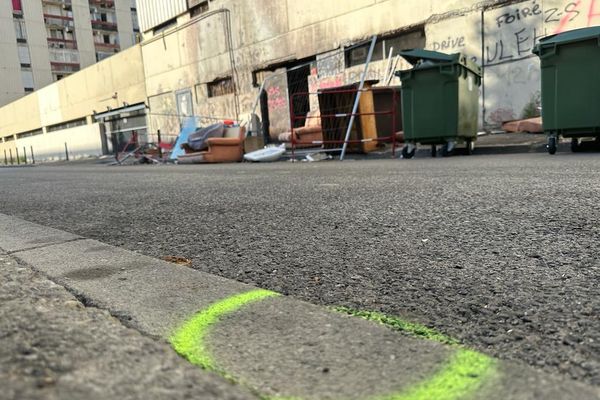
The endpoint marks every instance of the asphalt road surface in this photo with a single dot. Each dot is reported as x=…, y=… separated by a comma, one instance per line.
x=500, y=252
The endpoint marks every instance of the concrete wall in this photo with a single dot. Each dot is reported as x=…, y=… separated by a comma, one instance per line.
x=267, y=35
x=497, y=34
x=10, y=70
x=38, y=45
x=83, y=32
x=105, y=85
x=81, y=141
x=503, y=46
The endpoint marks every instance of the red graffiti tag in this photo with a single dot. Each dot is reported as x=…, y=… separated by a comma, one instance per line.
x=592, y=13
x=568, y=17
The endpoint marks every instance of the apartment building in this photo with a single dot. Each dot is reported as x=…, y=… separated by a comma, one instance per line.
x=43, y=41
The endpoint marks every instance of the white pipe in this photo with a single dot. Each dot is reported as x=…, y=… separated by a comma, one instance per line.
x=358, y=94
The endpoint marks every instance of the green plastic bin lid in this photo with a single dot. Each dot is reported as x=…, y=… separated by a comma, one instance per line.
x=415, y=56
x=576, y=35
x=423, y=59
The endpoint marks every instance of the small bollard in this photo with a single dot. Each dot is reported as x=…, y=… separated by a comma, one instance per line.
x=66, y=151
x=32, y=156
x=5, y=159
x=160, y=153
x=25, y=154
x=17, y=155
x=11, y=159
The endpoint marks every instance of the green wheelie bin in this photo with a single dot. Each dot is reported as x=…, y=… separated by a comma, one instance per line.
x=440, y=101
x=570, y=63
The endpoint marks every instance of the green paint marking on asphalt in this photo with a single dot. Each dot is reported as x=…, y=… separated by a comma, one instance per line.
x=460, y=378
x=190, y=340
x=395, y=323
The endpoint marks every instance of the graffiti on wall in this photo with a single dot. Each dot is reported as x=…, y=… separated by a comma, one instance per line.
x=509, y=33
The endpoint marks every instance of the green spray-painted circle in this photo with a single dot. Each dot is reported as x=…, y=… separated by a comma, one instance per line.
x=461, y=376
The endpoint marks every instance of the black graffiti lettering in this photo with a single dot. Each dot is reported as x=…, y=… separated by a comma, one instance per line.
x=550, y=15
x=571, y=9
x=450, y=43
x=498, y=53
x=526, y=12
x=521, y=40
x=492, y=59
x=501, y=19
x=536, y=10
x=502, y=55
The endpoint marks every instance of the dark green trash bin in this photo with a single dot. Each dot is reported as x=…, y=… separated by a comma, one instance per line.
x=440, y=101
x=570, y=64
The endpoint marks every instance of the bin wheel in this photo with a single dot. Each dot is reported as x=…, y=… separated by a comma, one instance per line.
x=447, y=149
x=575, y=145
x=408, y=153
x=433, y=150
x=552, y=145
x=470, y=146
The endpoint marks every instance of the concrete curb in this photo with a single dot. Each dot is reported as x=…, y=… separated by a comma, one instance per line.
x=278, y=346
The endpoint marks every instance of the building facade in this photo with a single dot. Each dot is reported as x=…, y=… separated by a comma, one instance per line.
x=211, y=58
x=44, y=41
x=273, y=39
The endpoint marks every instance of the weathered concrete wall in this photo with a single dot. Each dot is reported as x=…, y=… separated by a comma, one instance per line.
x=268, y=35
x=108, y=84
x=81, y=141
x=496, y=34
x=503, y=46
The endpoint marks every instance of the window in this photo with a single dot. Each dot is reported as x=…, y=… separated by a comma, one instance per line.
x=220, y=87
x=20, y=30
x=27, y=78
x=29, y=133
x=67, y=125
x=57, y=34
x=407, y=40
x=197, y=9
x=24, y=57
x=134, y=21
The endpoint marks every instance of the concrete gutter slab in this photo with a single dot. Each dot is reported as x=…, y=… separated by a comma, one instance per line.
x=17, y=235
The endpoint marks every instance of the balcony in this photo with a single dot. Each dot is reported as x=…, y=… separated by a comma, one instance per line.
x=59, y=21
x=104, y=25
x=54, y=43
x=102, y=3
x=61, y=3
x=107, y=46
x=64, y=57
x=64, y=68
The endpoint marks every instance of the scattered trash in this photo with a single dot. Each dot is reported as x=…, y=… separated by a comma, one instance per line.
x=315, y=157
x=531, y=125
x=178, y=260
x=268, y=154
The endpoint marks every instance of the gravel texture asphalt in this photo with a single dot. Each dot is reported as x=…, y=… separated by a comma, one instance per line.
x=52, y=347
x=500, y=252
